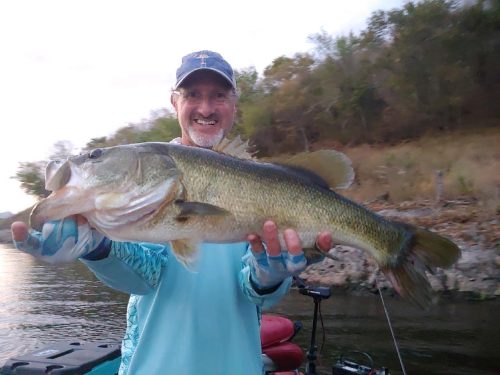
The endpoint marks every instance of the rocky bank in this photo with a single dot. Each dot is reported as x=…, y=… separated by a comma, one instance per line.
x=476, y=274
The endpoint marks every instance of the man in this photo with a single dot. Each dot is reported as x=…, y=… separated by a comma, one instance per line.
x=178, y=321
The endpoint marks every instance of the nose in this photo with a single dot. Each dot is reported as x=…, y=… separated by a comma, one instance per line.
x=206, y=106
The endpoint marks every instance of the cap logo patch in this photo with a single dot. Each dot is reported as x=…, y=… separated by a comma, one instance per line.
x=202, y=57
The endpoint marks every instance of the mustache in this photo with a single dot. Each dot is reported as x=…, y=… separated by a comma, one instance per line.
x=199, y=116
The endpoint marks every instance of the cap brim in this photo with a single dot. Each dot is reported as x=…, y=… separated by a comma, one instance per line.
x=183, y=78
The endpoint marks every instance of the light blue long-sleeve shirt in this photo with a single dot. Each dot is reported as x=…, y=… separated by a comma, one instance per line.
x=184, y=322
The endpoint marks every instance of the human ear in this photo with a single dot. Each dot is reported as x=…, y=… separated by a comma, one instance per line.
x=173, y=101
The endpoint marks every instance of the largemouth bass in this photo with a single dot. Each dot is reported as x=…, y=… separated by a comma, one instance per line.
x=162, y=192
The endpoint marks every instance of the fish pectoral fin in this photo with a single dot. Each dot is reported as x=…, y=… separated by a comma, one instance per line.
x=333, y=167
x=186, y=252
x=188, y=209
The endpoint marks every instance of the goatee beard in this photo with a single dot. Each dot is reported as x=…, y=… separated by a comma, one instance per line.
x=206, y=141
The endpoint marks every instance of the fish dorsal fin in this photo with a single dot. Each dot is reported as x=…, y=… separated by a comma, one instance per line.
x=234, y=147
x=186, y=252
x=332, y=166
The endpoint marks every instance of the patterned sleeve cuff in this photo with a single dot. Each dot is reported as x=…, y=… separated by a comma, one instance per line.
x=100, y=252
x=264, y=301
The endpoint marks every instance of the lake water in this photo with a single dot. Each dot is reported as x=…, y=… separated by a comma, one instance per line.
x=41, y=303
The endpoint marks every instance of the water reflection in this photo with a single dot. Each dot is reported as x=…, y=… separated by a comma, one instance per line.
x=41, y=303
x=452, y=338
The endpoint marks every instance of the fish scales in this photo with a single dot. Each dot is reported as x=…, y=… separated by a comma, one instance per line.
x=254, y=192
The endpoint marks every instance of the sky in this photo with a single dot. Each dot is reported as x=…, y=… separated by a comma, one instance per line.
x=76, y=70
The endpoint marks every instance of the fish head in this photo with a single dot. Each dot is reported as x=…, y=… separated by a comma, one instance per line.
x=110, y=186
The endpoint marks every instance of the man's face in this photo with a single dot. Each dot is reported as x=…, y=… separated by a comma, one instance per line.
x=206, y=107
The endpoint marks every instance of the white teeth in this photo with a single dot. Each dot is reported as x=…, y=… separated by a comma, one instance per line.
x=205, y=122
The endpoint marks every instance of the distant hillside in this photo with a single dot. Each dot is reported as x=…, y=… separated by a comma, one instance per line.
x=20, y=216
x=467, y=162
x=5, y=236
x=5, y=215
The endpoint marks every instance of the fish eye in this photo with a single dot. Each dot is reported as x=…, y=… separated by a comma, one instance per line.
x=94, y=154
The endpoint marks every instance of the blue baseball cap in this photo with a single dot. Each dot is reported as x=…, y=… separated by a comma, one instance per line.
x=204, y=60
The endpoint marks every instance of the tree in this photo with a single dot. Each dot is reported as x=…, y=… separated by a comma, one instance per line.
x=62, y=149
x=31, y=176
x=348, y=86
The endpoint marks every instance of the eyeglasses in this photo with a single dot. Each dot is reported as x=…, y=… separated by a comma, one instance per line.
x=196, y=97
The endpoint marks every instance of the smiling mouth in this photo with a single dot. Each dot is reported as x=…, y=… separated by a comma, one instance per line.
x=205, y=122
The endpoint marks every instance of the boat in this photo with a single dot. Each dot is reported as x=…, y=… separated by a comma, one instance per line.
x=280, y=355
x=76, y=357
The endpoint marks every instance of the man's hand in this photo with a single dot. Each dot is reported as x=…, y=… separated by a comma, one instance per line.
x=60, y=241
x=270, y=264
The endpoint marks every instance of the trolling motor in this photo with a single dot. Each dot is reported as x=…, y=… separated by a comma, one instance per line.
x=317, y=294
x=344, y=365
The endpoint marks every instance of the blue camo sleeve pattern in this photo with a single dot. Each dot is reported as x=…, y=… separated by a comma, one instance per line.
x=129, y=342
x=264, y=301
x=131, y=267
x=146, y=259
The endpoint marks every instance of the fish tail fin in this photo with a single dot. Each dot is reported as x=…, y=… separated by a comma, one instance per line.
x=426, y=251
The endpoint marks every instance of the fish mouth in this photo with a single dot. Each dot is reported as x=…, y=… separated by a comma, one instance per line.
x=62, y=203
x=110, y=206
x=66, y=202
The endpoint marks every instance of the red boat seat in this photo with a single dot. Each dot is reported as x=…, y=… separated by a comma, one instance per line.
x=274, y=330
x=287, y=356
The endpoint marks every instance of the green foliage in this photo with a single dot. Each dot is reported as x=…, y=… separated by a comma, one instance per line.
x=96, y=143
x=62, y=149
x=248, y=89
x=162, y=126
x=31, y=177
x=163, y=129
x=465, y=185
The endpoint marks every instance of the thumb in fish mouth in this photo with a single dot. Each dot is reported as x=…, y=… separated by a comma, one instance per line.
x=40, y=215
x=58, y=205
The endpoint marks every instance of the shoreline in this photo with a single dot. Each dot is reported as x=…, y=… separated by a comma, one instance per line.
x=476, y=275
